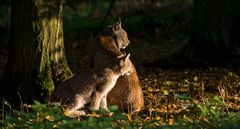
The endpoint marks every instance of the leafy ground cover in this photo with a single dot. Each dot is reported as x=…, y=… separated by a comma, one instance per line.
x=188, y=98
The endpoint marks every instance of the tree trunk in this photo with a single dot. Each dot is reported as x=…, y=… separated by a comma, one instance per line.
x=36, y=51
x=211, y=31
x=214, y=37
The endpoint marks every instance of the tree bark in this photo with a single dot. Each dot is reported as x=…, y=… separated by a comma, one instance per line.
x=214, y=36
x=36, y=51
x=209, y=39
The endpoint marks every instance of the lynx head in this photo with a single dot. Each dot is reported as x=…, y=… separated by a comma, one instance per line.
x=124, y=65
x=120, y=35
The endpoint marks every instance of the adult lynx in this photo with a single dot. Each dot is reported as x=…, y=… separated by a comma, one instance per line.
x=92, y=87
x=127, y=93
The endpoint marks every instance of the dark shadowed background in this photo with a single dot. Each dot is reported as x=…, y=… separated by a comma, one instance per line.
x=156, y=28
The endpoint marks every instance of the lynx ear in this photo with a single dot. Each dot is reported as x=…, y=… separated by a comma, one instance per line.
x=117, y=26
x=119, y=21
x=127, y=57
x=124, y=59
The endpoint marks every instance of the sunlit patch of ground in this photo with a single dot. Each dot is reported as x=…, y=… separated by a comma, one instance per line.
x=170, y=93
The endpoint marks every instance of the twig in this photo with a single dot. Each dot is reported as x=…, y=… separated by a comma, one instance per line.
x=2, y=112
x=107, y=14
x=7, y=104
x=222, y=94
x=202, y=89
x=21, y=106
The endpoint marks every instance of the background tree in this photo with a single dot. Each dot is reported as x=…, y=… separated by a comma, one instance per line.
x=36, y=51
x=214, y=35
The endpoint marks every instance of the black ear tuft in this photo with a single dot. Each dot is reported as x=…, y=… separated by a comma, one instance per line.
x=119, y=21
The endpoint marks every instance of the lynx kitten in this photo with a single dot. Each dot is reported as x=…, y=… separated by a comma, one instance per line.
x=92, y=87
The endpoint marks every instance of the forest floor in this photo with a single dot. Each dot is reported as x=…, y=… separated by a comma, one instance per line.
x=182, y=98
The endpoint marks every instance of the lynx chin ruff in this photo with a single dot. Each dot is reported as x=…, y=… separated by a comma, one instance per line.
x=92, y=87
x=127, y=93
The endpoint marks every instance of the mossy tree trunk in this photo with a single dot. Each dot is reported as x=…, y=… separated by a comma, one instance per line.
x=36, y=51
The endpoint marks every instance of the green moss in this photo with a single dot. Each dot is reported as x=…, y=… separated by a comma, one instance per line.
x=45, y=80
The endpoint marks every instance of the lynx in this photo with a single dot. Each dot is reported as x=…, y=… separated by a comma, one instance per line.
x=127, y=92
x=107, y=46
x=93, y=87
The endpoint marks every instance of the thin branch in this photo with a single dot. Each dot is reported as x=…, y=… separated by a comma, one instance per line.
x=107, y=14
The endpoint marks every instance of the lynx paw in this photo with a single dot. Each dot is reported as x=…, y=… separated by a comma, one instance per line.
x=106, y=110
x=75, y=113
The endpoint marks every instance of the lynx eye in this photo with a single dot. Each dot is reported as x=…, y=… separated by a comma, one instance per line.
x=128, y=72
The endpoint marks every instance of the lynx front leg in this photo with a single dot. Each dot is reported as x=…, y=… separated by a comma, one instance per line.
x=103, y=103
x=95, y=102
x=74, y=113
